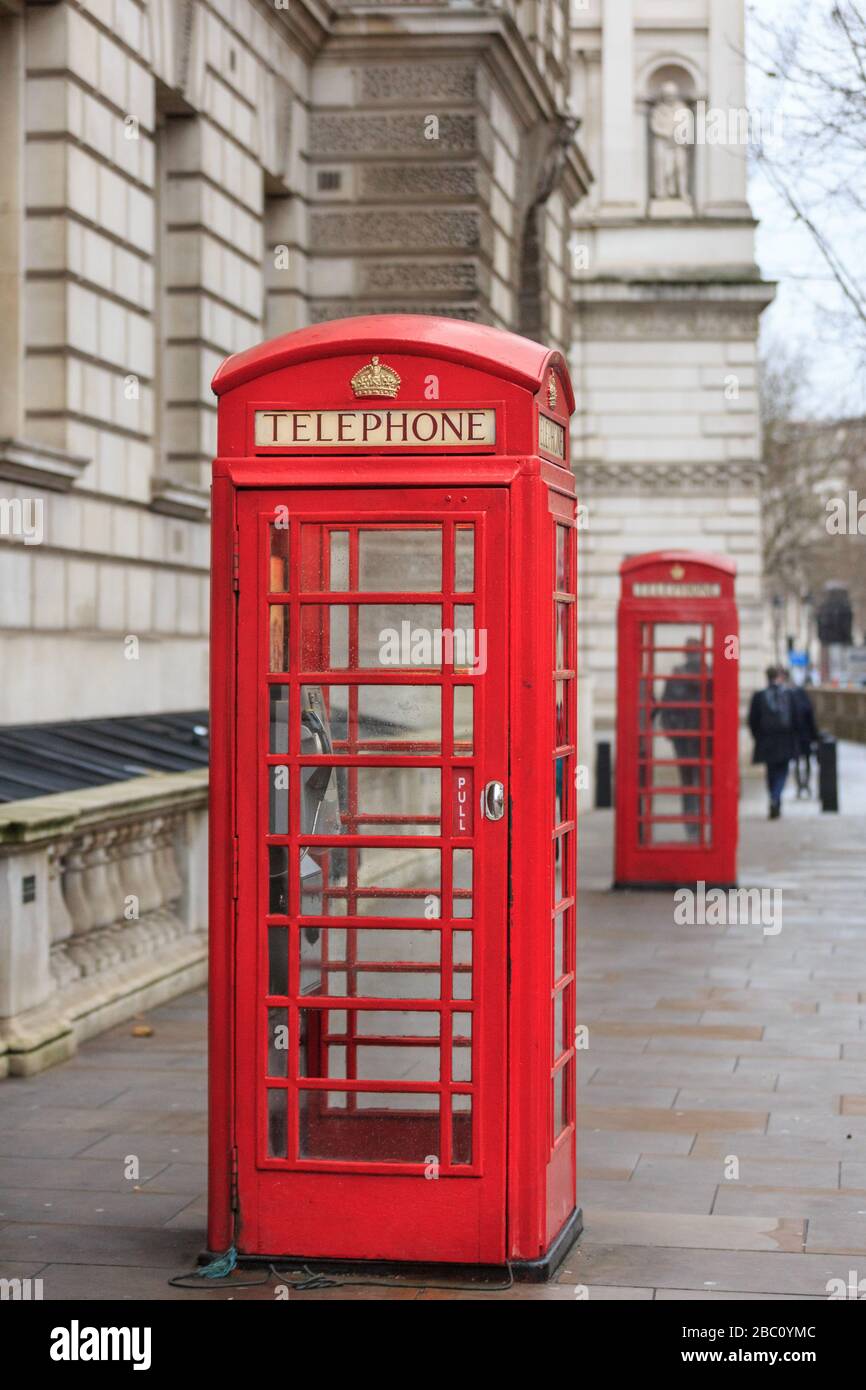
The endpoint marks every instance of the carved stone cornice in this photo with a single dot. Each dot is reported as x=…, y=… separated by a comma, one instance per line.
x=723, y=308
x=651, y=478
x=22, y=461
x=717, y=284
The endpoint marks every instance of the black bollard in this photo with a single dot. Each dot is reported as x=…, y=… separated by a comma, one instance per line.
x=828, y=779
x=603, y=777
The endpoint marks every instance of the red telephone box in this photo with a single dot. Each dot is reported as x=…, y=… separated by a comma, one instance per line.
x=677, y=781
x=393, y=837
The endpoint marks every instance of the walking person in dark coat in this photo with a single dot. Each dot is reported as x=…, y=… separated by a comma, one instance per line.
x=805, y=737
x=771, y=720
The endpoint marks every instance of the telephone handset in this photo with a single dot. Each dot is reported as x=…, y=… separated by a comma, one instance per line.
x=320, y=810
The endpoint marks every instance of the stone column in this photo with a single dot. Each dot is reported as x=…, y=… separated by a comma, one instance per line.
x=619, y=175
x=726, y=163
x=11, y=226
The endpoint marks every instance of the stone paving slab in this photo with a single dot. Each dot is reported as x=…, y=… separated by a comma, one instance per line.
x=705, y=1044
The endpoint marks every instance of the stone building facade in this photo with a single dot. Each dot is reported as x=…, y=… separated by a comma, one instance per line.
x=182, y=178
x=667, y=298
x=178, y=180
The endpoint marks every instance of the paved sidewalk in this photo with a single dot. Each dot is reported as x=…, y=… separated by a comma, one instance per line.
x=722, y=1105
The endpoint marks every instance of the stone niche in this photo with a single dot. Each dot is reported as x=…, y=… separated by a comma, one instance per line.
x=671, y=174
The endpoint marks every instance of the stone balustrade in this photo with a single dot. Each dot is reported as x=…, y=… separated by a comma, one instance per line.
x=103, y=910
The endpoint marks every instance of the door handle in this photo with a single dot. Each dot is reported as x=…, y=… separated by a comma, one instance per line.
x=493, y=801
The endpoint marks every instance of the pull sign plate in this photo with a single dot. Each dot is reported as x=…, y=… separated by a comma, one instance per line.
x=462, y=801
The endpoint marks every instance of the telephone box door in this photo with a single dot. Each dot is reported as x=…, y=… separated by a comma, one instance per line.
x=372, y=873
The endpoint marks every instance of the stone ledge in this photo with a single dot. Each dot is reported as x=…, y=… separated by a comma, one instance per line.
x=176, y=499
x=41, y=818
x=25, y=462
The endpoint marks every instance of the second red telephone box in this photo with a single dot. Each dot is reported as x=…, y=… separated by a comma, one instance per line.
x=393, y=837
x=677, y=780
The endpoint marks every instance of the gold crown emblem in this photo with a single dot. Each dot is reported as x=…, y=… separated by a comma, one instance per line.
x=376, y=380
x=677, y=572
x=551, y=389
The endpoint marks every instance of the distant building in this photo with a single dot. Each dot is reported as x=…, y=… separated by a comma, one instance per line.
x=667, y=298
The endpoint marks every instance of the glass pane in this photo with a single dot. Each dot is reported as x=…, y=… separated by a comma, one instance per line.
x=560, y=1108
x=564, y=617
x=461, y=1047
x=671, y=833
x=278, y=1127
x=665, y=749
x=408, y=559
x=370, y=882
x=467, y=650
x=324, y=636
x=463, y=720
x=278, y=880
x=279, y=639
x=461, y=868
x=390, y=636
x=391, y=800
x=559, y=1023
x=400, y=636
x=677, y=649
x=563, y=576
x=369, y=1126
x=461, y=949
x=563, y=732
x=461, y=1130
x=381, y=963
x=559, y=946
x=561, y=808
x=278, y=699
x=376, y=1045
x=563, y=866
x=278, y=581
x=278, y=960
x=278, y=801
x=278, y=1042
x=464, y=559
x=372, y=719
x=339, y=576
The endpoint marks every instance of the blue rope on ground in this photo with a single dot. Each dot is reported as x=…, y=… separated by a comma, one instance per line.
x=221, y=1267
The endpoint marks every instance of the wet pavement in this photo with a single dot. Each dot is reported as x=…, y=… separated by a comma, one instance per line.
x=722, y=1106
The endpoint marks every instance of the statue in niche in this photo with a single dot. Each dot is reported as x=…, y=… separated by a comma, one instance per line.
x=670, y=116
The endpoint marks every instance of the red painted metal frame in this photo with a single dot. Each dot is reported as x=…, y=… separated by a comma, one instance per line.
x=304, y=1204
x=470, y=364
x=685, y=862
